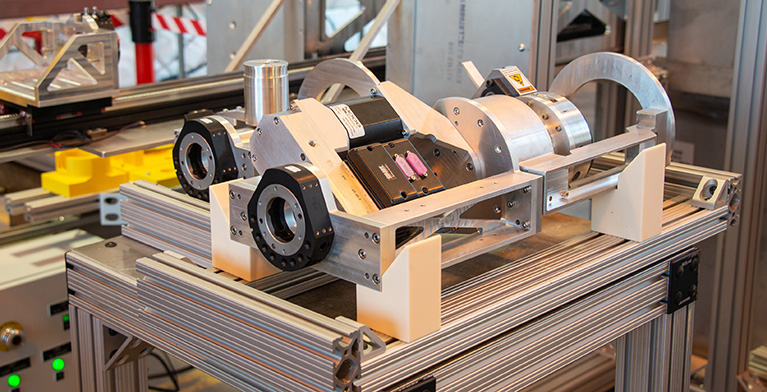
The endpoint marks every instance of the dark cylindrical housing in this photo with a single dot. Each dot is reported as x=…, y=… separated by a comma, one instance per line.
x=369, y=120
x=141, y=20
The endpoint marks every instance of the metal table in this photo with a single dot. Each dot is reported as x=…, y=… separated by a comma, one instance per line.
x=509, y=317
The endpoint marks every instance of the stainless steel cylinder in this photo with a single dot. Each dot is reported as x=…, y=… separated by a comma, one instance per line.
x=266, y=88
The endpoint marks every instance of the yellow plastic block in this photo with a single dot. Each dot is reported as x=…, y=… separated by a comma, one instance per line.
x=79, y=173
x=154, y=165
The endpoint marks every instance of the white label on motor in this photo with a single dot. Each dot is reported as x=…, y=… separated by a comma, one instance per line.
x=352, y=124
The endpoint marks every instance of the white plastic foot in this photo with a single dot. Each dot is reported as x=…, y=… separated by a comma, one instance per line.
x=408, y=307
x=634, y=209
x=233, y=257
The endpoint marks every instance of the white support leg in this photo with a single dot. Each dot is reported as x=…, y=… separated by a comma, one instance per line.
x=408, y=307
x=233, y=257
x=634, y=209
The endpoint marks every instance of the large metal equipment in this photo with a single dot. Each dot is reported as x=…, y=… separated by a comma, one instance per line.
x=351, y=187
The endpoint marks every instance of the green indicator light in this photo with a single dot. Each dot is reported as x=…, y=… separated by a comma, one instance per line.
x=65, y=318
x=14, y=380
x=58, y=364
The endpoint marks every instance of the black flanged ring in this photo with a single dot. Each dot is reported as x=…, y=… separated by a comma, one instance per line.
x=203, y=156
x=289, y=218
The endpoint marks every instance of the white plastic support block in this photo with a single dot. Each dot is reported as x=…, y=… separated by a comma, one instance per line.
x=634, y=209
x=409, y=305
x=233, y=257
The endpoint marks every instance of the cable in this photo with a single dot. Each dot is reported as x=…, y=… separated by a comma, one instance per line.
x=171, y=374
x=178, y=371
x=72, y=138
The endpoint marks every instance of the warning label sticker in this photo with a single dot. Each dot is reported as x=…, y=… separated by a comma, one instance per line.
x=518, y=80
x=352, y=124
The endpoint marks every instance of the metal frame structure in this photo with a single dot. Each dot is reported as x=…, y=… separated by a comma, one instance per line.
x=739, y=249
x=529, y=317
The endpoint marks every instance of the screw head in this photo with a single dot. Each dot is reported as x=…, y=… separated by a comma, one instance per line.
x=231, y=194
x=110, y=244
x=243, y=216
x=497, y=210
x=527, y=189
x=526, y=225
x=498, y=149
x=522, y=47
x=470, y=166
x=376, y=238
x=276, y=121
x=373, y=91
x=233, y=230
x=312, y=143
x=376, y=279
x=545, y=116
x=511, y=204
x=480, y=123
x=456, y=111
x=362, y=254
x=679, y=271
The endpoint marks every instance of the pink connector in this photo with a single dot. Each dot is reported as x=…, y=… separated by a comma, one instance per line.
x=415, y=162
x=405, y=167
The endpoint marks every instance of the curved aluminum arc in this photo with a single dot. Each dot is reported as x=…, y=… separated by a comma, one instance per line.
x=627, y=72
x=352, y=74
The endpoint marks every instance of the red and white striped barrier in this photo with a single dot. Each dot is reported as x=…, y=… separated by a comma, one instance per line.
x=175, y=24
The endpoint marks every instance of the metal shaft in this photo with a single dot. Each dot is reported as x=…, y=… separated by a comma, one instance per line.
x=266, y=88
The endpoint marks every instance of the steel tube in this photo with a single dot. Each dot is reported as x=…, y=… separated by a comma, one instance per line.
x=266, y=89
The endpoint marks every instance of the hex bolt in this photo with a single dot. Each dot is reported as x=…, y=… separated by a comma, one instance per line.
x=312, y=143
x=695, y=263
x=243, y=216
x=231, y=194
x=376, y=279
x=361, y=254
x=376, y=238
